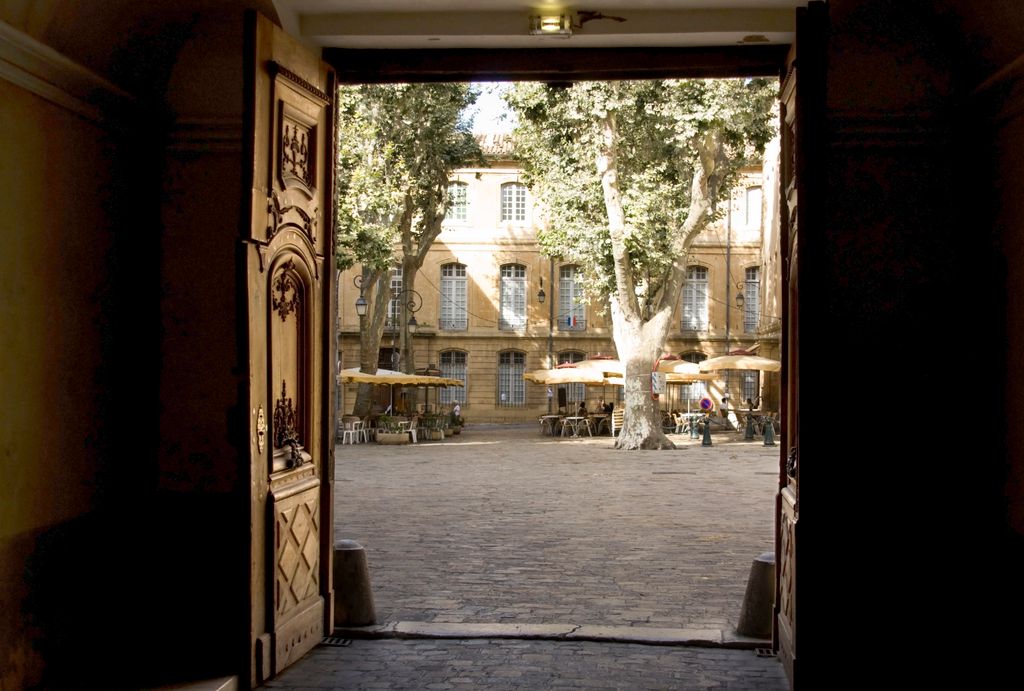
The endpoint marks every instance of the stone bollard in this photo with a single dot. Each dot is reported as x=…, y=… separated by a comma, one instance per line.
x=706, y=441
x=759, y=600
x=353, y=599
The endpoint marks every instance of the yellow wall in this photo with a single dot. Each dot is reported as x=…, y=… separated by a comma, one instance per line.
x=54, y=293
x=55, y=297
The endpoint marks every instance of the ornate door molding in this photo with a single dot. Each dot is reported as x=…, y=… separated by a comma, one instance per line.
x=287, y=255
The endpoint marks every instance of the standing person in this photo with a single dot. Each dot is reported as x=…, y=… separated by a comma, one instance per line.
x=730, y=419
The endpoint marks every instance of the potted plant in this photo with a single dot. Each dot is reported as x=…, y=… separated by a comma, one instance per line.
x=434, y=424
x=389, y=431
x=455, y=422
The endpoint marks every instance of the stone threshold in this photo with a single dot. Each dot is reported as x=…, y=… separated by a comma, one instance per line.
x=700, y=638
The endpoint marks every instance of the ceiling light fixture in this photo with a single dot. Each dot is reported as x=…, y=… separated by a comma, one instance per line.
x=559, y=25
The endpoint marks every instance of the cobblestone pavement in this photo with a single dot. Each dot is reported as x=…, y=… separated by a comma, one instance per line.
x=504, y=665
x=503, y=526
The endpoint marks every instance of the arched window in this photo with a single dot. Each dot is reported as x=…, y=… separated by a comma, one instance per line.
x=571, y=312
x=511, y=385
x=574, y=393
x=458, y=202
x=698, y=389
x=751, y=299
x=453, y=298
x=695, y=299
x=513, y=202
x=513, y=297
x=453, y=366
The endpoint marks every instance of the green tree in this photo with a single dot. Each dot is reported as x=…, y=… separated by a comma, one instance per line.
x=397, y=147
x=629, y=174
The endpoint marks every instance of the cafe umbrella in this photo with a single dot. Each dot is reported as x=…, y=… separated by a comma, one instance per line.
x=385, y=377
x=748, y=362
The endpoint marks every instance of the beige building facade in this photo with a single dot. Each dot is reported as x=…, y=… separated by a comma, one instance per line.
x=482, y=319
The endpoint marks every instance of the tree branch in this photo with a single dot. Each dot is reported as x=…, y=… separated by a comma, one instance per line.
x=607, y=168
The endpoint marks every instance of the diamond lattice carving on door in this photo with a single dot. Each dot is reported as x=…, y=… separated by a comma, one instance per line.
x=298, y=555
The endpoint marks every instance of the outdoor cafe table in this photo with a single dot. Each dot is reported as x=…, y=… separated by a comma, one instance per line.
x=572, y=424
x=548, y=424
x=601, y=421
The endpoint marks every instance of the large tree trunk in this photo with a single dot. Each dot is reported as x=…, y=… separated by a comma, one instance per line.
x=641, y=308
x=639, y=346
x=371, y=330
x=639, y=331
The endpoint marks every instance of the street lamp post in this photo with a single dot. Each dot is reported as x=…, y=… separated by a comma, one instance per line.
x=551, y=323
x=410, y=302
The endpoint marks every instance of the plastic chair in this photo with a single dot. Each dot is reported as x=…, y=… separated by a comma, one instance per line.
x=351, y=430
x=568, y=427
x=585, y=423
x=682, y=423
x=617, y=420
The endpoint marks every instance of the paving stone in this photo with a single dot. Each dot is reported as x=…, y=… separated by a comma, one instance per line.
x=501, y=530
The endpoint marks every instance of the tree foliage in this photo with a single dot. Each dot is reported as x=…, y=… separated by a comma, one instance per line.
x=660, y=131
x=397, y=147
x=629, y=174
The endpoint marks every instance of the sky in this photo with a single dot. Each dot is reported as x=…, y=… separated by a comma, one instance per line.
x=490, y=108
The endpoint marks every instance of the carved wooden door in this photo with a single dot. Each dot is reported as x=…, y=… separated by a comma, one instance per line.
x=802, y=120
x=287, y=260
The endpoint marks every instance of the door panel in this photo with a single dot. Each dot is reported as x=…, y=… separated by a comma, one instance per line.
x=802, y=119
x=287, y=256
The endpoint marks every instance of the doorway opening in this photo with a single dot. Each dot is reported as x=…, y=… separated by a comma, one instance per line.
x=490, y=364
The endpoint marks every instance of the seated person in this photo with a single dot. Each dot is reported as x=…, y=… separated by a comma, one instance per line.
x=582, y=410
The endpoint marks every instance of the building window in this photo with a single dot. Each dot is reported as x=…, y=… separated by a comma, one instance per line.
x=395, y=304
x=453, y=297
x=453, y=366
x=511, y=385
x=513, y=202
x=741, y=385
x=753, y=207
x=751, y=299
x=749, y=387
x=571, y=312
x=458, y=202
x=513, y=297
x=695, y=299
x=696, y=390
x=574, y=393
